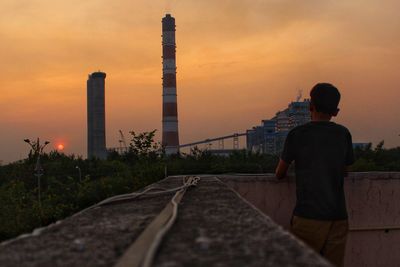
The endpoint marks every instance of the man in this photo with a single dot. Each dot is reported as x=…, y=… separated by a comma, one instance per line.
x=321, y=151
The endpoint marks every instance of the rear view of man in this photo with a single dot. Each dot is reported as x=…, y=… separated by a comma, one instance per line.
x=321, y=151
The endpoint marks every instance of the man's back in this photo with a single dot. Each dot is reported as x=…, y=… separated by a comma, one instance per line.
x=321, y=151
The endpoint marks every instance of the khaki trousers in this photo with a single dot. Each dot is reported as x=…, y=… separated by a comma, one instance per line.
x=326, y=237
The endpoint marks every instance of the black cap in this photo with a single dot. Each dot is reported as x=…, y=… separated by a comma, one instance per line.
x=168, y=23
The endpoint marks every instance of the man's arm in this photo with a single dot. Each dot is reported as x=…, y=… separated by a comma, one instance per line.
x=281, y=169
x=287, y=157
x=349, y=155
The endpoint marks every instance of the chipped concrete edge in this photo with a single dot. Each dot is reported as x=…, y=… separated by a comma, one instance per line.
x=270, y=177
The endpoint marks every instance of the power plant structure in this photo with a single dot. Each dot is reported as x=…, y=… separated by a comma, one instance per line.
x=170, y=135
x=96, y=121
x=270, y=136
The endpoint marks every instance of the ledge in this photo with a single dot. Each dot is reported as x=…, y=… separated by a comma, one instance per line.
x=215, y=226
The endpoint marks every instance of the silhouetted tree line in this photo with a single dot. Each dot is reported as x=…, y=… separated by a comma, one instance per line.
x=66, y=190
x=376, y=159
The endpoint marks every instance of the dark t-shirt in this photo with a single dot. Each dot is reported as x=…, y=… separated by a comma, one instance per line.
x=321, y=151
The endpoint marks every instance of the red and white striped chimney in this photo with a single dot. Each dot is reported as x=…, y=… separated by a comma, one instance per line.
x=170, y=135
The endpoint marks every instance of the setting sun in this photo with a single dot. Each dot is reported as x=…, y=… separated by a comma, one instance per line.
x=60, y=147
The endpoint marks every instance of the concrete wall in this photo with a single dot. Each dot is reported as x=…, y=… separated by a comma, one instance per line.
x=373, y=207
x=214, y=227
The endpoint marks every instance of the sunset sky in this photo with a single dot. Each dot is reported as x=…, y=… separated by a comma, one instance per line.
x=239, y=62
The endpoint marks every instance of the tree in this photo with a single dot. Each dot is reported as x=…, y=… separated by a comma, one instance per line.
x=143, y=144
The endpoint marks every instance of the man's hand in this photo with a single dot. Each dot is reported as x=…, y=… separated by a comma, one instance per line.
x=281, y=169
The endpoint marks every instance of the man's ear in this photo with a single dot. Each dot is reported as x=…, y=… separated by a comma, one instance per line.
x=335, y=113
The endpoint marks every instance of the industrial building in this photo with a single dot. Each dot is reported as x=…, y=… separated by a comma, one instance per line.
x=170, y=135
x=96, y=138
x=269, y=137
x=96, y=103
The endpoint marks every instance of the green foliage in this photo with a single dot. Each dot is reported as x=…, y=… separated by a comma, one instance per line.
x=143, y=145
x=62, y=192
x=240, y=161
x=377, y=159
x=18, y=210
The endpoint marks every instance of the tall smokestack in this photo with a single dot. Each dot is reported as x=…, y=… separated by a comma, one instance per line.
x=96, y=116
x=170, y=135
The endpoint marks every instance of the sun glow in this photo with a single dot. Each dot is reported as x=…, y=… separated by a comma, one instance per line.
x=60, y=147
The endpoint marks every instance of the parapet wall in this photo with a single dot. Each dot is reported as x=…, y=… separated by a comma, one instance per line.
x=373, y=207
x=215, y=226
